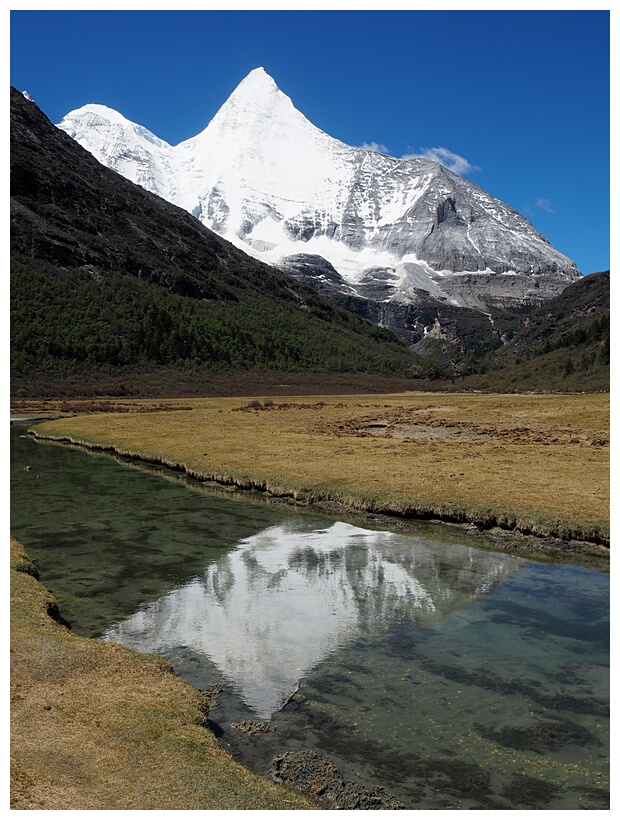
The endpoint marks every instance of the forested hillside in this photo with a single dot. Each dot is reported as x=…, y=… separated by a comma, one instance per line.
x=106, y=277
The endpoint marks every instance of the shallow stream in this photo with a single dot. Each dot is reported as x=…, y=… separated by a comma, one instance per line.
x=452, y=676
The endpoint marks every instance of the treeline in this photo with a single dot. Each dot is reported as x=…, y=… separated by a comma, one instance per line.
x=114, y=320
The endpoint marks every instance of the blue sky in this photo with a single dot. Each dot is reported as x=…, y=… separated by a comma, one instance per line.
x=518, y=101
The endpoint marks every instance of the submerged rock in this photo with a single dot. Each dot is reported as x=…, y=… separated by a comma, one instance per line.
x=541, y=736
x=253, y=727
x=307, y=772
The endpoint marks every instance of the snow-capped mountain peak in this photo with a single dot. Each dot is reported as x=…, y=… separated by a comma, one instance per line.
x=268, y=180
x=125, y=146
x=255, y=96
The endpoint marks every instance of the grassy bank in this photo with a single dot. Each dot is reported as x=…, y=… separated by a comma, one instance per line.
x=538, y=464
x=97, y=726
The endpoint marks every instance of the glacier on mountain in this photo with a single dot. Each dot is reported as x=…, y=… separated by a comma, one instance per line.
x=263, y=177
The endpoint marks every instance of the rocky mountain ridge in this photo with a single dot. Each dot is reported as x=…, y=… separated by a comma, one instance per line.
x=352, y=222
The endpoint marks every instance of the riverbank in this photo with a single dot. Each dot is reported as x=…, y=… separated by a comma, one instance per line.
x=528, y=465
x=95, y=725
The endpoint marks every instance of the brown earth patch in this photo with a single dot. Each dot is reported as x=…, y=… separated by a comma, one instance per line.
x=420, y=424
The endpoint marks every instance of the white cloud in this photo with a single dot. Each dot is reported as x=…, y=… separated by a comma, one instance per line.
x=453, y=162
x=375, y=146
x=544, y=205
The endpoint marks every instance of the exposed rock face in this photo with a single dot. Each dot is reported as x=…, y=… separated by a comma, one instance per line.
x=428, y=317
x=317, y=272
x=490, y=291
x=384, y=229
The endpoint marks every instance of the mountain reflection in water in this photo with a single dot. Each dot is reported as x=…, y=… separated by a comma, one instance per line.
x=274, y=607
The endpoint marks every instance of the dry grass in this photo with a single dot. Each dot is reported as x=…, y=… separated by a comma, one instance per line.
x=539, y=463
x=97, y=726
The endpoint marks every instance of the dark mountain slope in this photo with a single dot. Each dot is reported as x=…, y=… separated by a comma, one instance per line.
x=584, y=301
x=563, y=344
x=70, y=210
x=105, y=275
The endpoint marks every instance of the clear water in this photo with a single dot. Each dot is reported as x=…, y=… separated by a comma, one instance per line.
x=452, y=676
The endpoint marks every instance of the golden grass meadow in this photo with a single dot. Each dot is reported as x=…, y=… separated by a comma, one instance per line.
x=535, y=463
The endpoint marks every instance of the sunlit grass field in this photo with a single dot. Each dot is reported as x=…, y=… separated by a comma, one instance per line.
x=535, y=463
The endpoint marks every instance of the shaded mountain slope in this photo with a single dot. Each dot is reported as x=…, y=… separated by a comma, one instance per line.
x=106, y=275
x=584, y=301
x=562, y=345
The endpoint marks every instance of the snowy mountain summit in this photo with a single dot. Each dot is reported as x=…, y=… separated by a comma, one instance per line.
x=263, y=177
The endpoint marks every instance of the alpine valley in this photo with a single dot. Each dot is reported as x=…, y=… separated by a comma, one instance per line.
x=265, y=244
